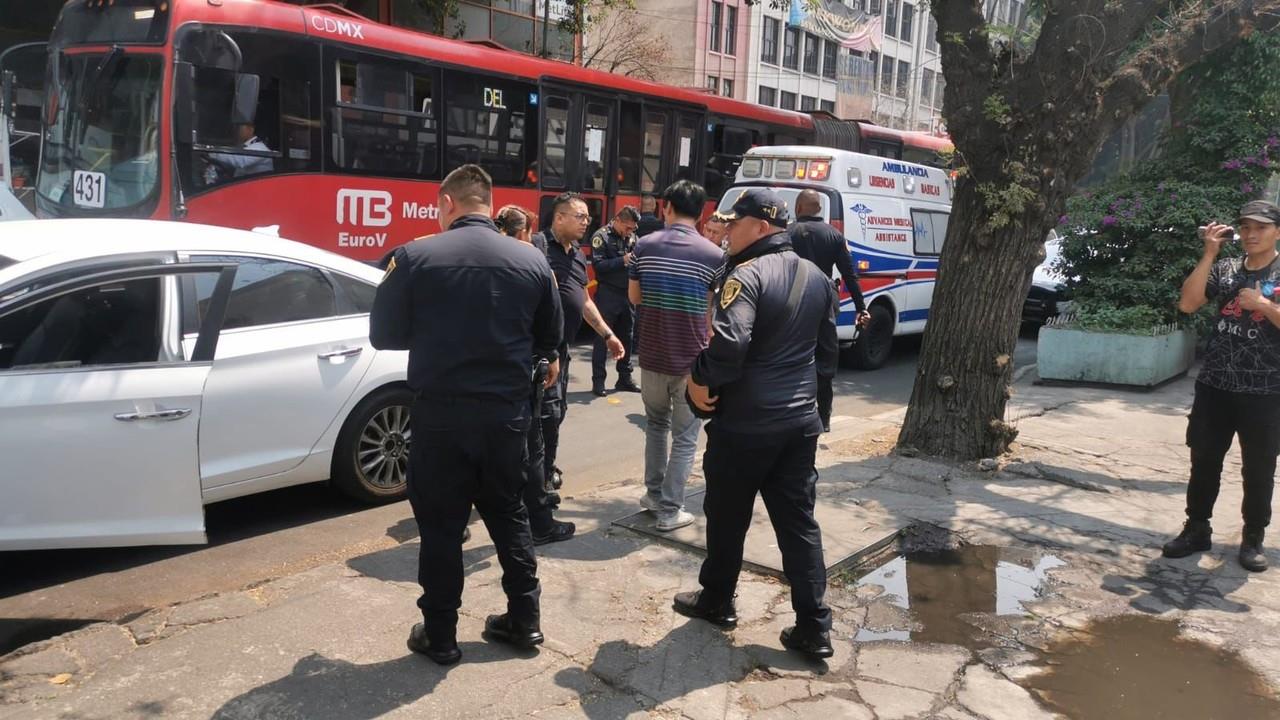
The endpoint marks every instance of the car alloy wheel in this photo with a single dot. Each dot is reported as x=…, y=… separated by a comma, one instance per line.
x=383, y=453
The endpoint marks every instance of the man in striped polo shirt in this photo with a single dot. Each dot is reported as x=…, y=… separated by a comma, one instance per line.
x=670, y=283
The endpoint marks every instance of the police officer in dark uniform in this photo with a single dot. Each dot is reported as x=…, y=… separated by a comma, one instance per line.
x=815, y=240
x=472, y=308
x=569, y=221
x=610, y=256
x=774, y=331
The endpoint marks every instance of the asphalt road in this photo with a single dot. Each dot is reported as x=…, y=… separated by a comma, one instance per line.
x=274, y=534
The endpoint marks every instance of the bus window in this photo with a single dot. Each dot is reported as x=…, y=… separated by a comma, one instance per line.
x=595, y=148
x=687, y=148
x=630, y=147
x=487, y=121
x=385, y=119
x=728, y=145
x=253, y=107
x=655, y=132
x=555, y=141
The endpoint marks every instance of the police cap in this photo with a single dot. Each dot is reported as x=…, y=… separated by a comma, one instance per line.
x=761, y=203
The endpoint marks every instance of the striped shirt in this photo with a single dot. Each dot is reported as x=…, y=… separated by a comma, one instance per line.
x=676, y=268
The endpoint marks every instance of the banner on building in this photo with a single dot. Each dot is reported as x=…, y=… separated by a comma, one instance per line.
x=856, y=77
x=853, y=29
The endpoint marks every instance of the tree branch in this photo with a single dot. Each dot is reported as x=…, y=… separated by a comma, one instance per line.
x=966, y=58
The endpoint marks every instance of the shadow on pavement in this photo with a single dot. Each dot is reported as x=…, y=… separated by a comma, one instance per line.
x=691, y=658
x=1167, y=585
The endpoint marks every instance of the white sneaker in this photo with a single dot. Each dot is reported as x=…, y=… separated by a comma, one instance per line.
x=648, y=503
x=672, y=522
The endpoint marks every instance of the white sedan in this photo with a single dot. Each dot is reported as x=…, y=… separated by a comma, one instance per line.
x=150, y=368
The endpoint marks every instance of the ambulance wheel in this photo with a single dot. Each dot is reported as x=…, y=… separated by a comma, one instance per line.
x=875, y=343
x=371, y=457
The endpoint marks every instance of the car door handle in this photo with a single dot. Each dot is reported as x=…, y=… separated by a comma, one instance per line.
x=174, y=414
x=343, y=353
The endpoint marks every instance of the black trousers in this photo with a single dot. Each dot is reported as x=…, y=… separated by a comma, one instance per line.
x=1216, y=417
x=544, y=431
x=621, y=318
x=451, y=470
x=826, y=395
x=780, y=467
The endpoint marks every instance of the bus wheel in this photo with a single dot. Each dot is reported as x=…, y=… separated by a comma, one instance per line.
x=874, y=345
x=371, y=457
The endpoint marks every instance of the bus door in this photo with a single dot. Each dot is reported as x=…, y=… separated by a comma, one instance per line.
x=579, y=153
x=21, y=99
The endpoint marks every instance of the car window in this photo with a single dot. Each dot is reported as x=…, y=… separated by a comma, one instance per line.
x=265, y=292
x=6, y=262
x=929, y=229
x=359, y=293
x=114, y=323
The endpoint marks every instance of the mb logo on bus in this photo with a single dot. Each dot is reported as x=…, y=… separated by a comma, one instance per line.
x=370, y=208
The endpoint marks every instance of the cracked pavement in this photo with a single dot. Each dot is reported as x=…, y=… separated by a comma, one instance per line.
x=1097, y=480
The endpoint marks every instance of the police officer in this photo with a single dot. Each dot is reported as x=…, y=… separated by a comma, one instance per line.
x=569, y=222
x=821, y=244
x=610, y=257
x=469, y=370
x=649, y=220
x=774, y=321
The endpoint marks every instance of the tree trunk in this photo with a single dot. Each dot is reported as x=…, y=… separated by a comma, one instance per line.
x=965, y=370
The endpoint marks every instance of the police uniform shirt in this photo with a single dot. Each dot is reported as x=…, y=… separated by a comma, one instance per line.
x=471, y=307
x=818, y=242
x=764, y=366
x=607, y=251
x=570, y=268
x=649, y=223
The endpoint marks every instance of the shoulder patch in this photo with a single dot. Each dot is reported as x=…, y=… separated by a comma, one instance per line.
x=732, y=288
x=597, y=241
x=391, y=267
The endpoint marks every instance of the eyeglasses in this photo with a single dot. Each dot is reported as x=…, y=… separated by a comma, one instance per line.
x=581, y=217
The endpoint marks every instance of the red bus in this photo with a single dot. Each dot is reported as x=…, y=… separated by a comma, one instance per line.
x=338, y=130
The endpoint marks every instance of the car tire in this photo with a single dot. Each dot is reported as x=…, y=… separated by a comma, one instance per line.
x=371, y=456
x=875, y=343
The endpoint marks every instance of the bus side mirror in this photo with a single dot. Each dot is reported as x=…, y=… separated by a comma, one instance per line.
x=184, y=109
x=245, y=105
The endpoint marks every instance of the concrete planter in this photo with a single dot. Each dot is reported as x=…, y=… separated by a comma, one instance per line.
x=1084, y=356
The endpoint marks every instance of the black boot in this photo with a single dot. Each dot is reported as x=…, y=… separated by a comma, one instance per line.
x=505, y=630
x=815, y=644
x=1251, y=555
x=441, y=651
x=626, y=384
x=691, y=604
x=1196, y=536
x=597, y=388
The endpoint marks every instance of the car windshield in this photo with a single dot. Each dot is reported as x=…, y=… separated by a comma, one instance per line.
x=102, y=119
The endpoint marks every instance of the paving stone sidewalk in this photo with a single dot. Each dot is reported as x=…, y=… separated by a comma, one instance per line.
x=1097, y=480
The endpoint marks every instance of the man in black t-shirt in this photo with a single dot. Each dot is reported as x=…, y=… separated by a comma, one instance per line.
x=1238, y=388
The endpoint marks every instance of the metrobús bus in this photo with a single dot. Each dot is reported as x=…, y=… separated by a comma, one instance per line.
x=338, y=130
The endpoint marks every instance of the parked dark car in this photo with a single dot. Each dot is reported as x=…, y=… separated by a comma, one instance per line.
x=1049, y=295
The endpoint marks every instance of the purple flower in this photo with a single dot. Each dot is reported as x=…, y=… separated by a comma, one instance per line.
x=1062, y=220
x=1231, y=165
x=1247, y=188
x=1108, y=220
x=1273, y=141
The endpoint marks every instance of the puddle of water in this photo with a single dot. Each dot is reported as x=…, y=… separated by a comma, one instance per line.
x=1138, y=667
x=939, y=589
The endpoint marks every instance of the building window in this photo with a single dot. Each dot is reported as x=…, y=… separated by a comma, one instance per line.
x=808, y=103
x=728, y=87
x=829, y=53
x=812, y=51
x=791, y=49
x=788, y=101
x=875, y=7
x=904, y=77
x=828, y=106
x=926, y=87
x=713, y=83
x=717, y=13
x=891, y=18
x=886, y=76
x=769, y=41
x=731, y=31
x=908, y=21
x=768, y=96
x=938, y=93
x=931, y=36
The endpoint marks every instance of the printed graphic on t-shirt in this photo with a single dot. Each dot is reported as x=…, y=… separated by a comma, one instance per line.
x=1243, y=353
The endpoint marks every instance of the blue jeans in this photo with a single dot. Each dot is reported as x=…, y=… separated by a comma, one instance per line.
x=667, y=464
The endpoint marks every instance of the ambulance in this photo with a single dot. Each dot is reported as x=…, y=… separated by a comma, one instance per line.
x=894, y=218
